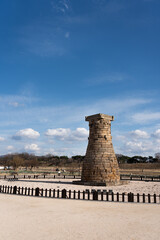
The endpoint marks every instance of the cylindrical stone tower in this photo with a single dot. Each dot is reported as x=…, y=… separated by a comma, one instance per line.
x=100, y=165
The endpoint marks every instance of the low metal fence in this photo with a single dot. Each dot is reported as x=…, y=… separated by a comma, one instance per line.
x=129, y=177
x=93, y=195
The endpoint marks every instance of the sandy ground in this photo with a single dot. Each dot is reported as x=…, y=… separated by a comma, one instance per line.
x=133, y=186
x=56, y=219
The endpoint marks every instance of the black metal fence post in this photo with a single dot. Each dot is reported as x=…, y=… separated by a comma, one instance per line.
x=123, y=197
x=83, y=195
x=37, y=192
x=58, y=193
x=14, y=189
x=101, y=196
x=49, y=192
x=107, y=196
x=143, y=198
x=29, y=191
x=70, y=194
x=53, y=193
x=42, y=192
x=95, y=195
x=130, y=197
x=88, y=195
x=79, y=194
x=117, y=197
x=46, y=193
x=112, y=197
x=74, y=194
x=64, y=193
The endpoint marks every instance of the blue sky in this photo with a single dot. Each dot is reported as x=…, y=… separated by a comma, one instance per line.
x=62, y=60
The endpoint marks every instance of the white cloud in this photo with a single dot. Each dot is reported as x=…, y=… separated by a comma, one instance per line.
x=135, y=146
x=65, y=151
x=146, y=117
x=156, y=134
x=2, y=139
x=120, y=137
x=59, y=133
x=26, y=133
x=158, y=142
x=144, y=148
x=10, y=147
x=61, y=151
x=41, y=117
x=139, y=134
x=32, y=147
x=80, y=134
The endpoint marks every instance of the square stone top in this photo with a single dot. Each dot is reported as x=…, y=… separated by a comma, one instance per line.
x=99, y=116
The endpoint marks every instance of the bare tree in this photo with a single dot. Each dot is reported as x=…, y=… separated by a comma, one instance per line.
x=16, y=162
x=157, y=155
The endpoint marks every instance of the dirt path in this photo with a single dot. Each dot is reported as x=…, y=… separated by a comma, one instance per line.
x=55, y=219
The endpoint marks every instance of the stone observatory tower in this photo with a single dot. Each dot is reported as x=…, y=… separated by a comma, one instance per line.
x=100, y=166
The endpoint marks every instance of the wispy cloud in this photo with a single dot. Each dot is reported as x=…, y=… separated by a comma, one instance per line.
x=15, y=104
x=43, y=46
x=80, y=134
x=111, y=6
x=107, y=78
x=67, y=35
x=44, y=39
x=63, y=115
x=66, y=124
x=10, y=147
x=146, y=117
x=61, y=6
x=14, y=101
